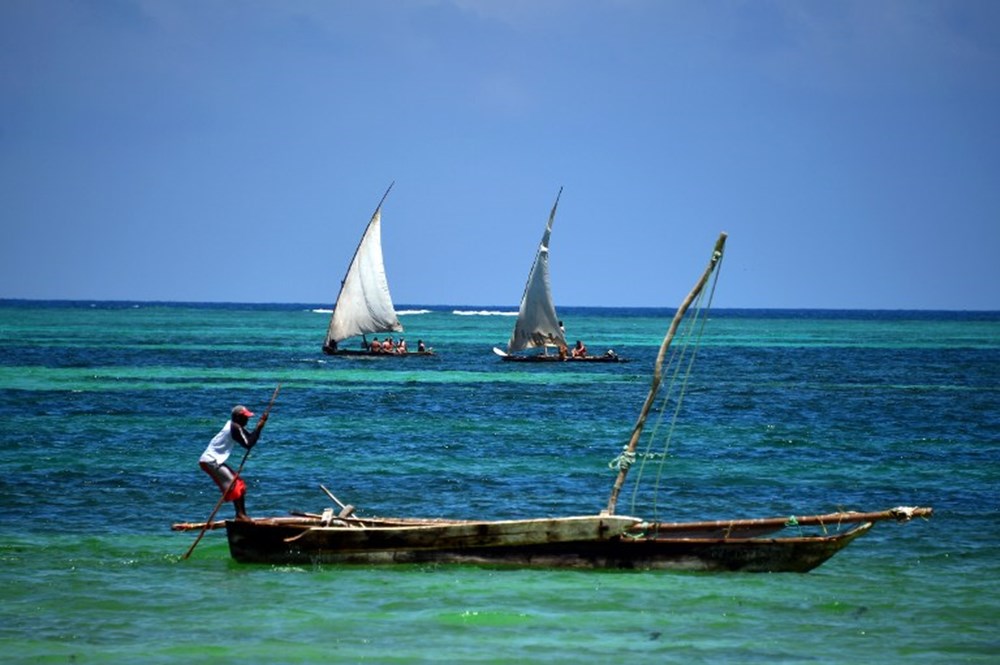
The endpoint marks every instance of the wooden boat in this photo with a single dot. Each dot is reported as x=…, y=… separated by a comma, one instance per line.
x=608, y=356
x=537, y=326
x=598, y=542
x=364, y=305
x=603, y=540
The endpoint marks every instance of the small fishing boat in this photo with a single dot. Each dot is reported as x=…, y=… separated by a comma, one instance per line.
x=537, y=326
x=597, y=541
x=364, y=305
x=602, y=540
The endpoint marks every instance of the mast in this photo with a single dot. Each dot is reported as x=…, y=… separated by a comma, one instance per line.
x=658, y=368
x=354, y=256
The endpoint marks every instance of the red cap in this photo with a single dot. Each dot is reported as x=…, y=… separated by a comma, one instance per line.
x=241, y=410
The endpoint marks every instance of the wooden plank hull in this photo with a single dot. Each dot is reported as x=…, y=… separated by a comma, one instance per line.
x=761, y=526
x=286, y=541
x=790, y=554
x=526, y=545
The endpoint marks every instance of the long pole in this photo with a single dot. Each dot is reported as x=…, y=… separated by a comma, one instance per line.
x=222, y=499
x=658, y=368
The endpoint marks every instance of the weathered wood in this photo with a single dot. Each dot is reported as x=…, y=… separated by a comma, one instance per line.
x=472, y=533
x=658, y=368
x=277, y=543
x=797, y=554
x=760, y=526
x=719, y=545
x=332, y=497
x=191, y=526
x=345, y=510
x=284, y=538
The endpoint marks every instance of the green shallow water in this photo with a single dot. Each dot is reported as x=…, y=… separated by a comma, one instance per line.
x=107, y=407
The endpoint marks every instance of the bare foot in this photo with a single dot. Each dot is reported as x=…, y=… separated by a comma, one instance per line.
x=244, y=518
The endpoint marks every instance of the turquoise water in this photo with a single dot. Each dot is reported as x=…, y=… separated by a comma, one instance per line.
x=107, y=406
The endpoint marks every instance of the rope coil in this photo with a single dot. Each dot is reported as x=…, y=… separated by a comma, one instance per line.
x=625, y=460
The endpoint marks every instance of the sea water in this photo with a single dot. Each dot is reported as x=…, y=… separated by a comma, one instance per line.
x=106, y=407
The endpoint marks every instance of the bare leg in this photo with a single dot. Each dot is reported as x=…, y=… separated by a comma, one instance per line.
x=241, y=509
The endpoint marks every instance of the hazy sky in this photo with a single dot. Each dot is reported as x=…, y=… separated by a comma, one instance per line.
x=209, y=150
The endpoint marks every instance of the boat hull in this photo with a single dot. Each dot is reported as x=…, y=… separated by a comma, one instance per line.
x=479, y=543
x=790, y=554
x=557, y=359
x=355, y=540
x=370, y=354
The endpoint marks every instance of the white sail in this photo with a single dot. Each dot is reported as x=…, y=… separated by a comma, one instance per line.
x=364, y=304
x=537, y=324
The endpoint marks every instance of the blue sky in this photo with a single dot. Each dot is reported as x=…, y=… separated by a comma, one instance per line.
x=203, y=150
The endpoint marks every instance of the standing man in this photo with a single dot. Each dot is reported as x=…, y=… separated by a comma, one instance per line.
x=213, y=460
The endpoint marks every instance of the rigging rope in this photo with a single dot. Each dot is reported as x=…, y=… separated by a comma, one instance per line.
x=681, y=362
x=626, y=459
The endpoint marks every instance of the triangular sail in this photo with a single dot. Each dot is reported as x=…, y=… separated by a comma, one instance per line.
x=537, y=324
x=364, y=304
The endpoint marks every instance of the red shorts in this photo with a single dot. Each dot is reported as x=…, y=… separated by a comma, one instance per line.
x=223, y=477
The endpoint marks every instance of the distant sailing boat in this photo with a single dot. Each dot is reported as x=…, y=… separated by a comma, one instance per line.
x=537, y=325
x=364, y=305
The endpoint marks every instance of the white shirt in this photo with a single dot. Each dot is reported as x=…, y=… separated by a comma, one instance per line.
x=220, y=447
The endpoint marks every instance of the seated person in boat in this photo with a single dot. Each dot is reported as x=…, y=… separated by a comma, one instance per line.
x=387, y=345
x=563, y=352
x=376, y=347
x=579, y=351
x=420, y=346
x=401, y=347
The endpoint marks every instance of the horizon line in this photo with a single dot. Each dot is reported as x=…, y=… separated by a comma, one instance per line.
x=446, y=306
